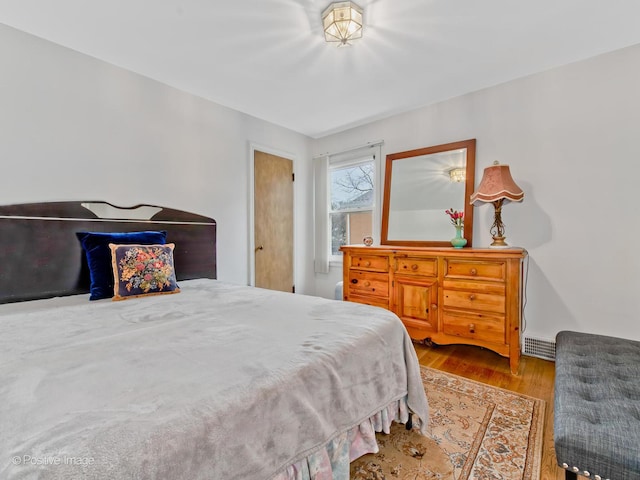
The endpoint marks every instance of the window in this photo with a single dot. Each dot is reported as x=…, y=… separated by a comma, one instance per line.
x=351, y=202
x=346, y=199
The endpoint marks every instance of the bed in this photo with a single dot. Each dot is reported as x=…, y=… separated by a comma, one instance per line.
x=220, y=381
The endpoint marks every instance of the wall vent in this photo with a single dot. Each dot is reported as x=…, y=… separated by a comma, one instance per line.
x=537, y=347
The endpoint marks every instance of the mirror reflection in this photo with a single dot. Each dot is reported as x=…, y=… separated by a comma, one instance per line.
x=419, y=186
x=421, y=190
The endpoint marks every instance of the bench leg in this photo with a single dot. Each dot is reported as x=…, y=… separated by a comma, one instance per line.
x=570, y=475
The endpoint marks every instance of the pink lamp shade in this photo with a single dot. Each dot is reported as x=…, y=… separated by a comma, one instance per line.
x=497, y=184
x=497, y=187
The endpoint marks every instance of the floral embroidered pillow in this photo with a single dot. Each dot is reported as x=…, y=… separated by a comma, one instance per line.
x=140, y=270
x=98, y=255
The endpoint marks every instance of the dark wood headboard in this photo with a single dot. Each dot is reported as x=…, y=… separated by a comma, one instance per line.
x=41, y=257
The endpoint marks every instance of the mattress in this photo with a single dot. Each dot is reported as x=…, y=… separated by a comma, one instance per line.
x=217, y=382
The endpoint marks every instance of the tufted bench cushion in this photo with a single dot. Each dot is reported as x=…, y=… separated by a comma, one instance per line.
x=597, y=406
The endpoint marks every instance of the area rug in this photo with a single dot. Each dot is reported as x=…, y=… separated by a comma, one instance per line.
x=476, y=431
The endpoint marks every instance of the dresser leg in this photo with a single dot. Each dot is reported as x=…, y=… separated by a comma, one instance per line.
x=514, y=364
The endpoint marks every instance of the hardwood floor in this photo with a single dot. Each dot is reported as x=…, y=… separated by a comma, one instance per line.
x=535, y=378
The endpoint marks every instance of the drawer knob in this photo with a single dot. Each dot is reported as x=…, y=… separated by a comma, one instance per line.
x=472, y=328
x=367, y=264
x=354, y=281
x=414, y=267
x=472, y=297
x=474, y=271
x=434, y=306
x=366, y=284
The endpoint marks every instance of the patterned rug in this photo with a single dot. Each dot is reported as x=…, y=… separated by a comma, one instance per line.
x=476, y=432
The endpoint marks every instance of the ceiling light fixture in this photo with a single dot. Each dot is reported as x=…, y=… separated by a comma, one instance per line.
x=342, y=22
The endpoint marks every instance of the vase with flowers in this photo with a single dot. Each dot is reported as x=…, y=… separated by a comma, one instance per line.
x=457, y=219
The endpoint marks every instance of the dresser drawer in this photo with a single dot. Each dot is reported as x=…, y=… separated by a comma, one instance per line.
x=479, y=270
x=493, y=288
x=367, y=283
x=374, y=263
x=488, y=328
x=472, y=300
x=427, y=267
x=371, y=300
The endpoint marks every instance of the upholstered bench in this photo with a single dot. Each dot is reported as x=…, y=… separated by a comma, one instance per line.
x=597, y=406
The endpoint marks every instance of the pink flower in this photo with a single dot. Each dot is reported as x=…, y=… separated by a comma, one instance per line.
x=456, y=217
x=148, y=277
x=140, y=266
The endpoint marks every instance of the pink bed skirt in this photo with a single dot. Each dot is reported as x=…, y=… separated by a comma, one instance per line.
x=331, y=462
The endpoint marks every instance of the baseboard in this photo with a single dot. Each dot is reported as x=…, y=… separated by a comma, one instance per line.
x=541, y=348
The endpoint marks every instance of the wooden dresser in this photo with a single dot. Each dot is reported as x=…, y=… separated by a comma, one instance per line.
x=442, y=294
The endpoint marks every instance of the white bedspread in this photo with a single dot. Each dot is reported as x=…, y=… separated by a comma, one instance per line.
x=219, y=382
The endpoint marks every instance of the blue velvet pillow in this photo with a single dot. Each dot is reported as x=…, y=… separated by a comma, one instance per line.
x=141, y=270
x=96, y=248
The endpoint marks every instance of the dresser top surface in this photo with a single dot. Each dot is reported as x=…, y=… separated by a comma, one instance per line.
x=448, y=251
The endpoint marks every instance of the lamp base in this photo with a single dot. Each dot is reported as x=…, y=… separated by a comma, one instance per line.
x=498, y=242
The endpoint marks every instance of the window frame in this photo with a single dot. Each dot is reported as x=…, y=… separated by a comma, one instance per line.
x=353, y=159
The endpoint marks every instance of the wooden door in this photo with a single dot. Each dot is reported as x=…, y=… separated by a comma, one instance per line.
x=416, y=303
x=273, y=222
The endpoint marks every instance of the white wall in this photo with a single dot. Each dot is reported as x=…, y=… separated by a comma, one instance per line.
x=76, y=128
x=570, y=136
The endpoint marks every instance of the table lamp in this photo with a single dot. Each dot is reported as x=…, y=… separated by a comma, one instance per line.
x=497, y=187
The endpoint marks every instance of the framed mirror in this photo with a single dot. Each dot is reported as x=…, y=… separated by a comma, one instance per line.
x=419, y=185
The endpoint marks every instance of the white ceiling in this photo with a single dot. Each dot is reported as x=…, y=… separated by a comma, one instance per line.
x=268, y=58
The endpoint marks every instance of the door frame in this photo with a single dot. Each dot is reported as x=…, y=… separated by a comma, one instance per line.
x=253, y=147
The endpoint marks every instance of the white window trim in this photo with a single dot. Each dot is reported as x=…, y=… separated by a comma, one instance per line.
x=322, y=235
x=367, y=157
